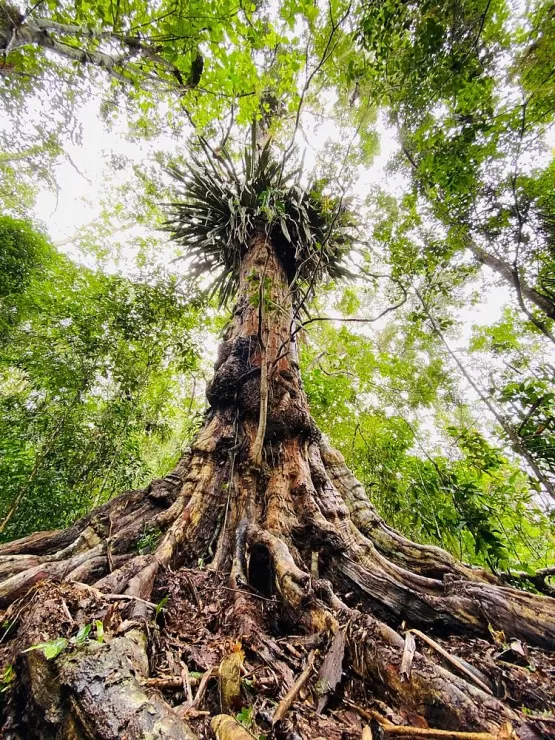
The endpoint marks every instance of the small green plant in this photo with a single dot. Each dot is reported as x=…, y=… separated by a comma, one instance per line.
x=53, y=648
x=160, y=606
x=245, y=717
x=8, y=677
x=83, y=634
x=148, y=540
x=7, y=626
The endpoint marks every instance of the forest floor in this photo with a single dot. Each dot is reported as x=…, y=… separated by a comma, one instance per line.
x=202, y=666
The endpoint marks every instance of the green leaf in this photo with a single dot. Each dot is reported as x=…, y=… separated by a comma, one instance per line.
x=82, y=634
x=50, y=649
x=160, y=606
x=7, y=678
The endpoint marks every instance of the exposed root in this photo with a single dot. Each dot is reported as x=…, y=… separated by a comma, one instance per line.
x=377, y=653
x=291, y=581
x=197, y=636
x=227, y=728
x=469, y=675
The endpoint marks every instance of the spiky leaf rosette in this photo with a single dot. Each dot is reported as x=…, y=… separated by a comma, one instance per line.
x=220, y=211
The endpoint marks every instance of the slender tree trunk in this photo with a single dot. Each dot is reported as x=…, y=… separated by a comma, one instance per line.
x=514, y=439
x=509, y=274
x=287, y=525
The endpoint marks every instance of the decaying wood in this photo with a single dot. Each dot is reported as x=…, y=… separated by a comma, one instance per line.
x=408, y=655
x=230, y=681
x=226, y=728
x=106, y=695
x=329, y=675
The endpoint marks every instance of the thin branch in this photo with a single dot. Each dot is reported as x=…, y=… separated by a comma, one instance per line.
x=309, y=77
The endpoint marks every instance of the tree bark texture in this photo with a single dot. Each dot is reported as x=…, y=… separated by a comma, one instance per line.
x=286, y=521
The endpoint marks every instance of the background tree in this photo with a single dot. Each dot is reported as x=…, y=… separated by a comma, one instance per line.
x=91, y=367
x=470, y=127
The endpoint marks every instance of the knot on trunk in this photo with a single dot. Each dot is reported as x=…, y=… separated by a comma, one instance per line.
x=233, y=367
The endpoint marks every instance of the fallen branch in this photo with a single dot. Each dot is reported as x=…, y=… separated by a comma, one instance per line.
x=409, y=731
x=285, y=704
x=454, y=661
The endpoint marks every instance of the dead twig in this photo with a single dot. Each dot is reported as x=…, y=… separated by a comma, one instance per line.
x=193, y=590
x=168, y=682
x=186, y=680
x=454, y=661
x=409, y=731
x=285, y=704
x=202, y=688
x=539, y=718
x=113, y=597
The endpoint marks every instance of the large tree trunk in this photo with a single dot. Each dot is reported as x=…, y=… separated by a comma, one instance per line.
x=281, y=525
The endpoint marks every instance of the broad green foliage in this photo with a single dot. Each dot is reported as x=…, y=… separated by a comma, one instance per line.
x=90, y=377
x=22, y=251
x=159, y=67
x=468, y=87
x=185, y=51
x=524, y=386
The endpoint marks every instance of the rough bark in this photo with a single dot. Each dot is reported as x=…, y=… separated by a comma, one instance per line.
x=291, y=525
